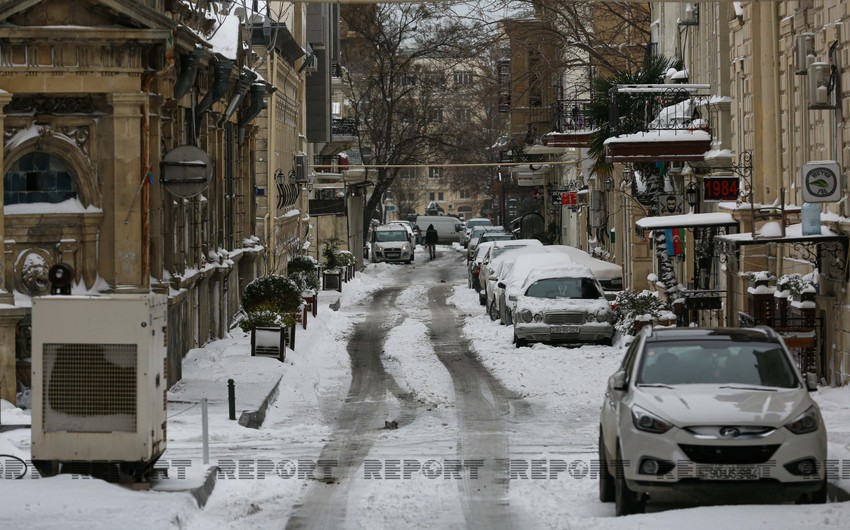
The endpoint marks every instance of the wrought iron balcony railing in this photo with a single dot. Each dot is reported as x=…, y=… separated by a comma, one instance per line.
x=343, y=127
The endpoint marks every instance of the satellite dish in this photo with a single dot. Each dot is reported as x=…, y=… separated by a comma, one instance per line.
x=186, y=171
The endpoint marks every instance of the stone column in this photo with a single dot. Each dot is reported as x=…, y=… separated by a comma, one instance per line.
x=9, y=318
x=121, y=170
x=6, y=296
x=9, y=315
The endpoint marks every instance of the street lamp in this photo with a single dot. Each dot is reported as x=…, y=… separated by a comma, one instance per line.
x=627, y=175
x=691, y=194
x=609, y=183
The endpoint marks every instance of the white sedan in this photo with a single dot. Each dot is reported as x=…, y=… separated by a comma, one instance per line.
x=562, y=304
x=710, y=414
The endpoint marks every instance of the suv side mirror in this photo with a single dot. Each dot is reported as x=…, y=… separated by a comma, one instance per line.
x=811, y=381
x=458, y=227
x=618, y=380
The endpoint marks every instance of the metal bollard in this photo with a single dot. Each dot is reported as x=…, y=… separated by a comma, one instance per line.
x=231, y=398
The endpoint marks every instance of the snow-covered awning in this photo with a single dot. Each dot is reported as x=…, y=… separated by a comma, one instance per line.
x=827, y=251
x=687, y=221
x=793, y=234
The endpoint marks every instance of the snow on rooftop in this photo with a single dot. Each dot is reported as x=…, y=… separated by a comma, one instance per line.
x=225, y=41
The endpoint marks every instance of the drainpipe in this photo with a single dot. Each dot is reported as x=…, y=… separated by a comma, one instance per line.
x=257, y=104
x=147, y=81
x=777, y=112
x=222, y=80
x=189, y=71
x=242, y=85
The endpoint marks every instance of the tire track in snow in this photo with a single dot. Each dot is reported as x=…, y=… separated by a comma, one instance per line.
x=359, y=422
x=483, y=403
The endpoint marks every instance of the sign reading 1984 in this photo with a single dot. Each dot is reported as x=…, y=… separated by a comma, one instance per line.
x=721, y=188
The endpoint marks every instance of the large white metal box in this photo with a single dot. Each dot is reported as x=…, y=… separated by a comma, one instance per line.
x=99, y=378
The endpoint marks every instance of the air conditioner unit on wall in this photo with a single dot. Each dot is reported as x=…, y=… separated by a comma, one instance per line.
x=99, y=382
x=804, y=53
x=690, y=15
x=820, y=96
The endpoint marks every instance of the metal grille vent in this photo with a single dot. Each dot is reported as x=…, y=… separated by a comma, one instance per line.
x=564, y=318
x=89, y=387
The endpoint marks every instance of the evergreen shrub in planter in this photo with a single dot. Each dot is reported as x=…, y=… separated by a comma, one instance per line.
x=304, y=271
x=633, y=307
x=269, y=297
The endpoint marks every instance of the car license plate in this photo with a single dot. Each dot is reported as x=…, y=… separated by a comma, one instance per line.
x=564, y=330
x=725, y=472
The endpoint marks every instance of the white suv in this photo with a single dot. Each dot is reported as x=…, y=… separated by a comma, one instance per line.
x=694, y=413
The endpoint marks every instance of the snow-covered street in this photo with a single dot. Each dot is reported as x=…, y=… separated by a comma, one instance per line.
x=406, y=408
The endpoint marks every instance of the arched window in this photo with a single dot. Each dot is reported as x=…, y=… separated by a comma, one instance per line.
x=38, y=176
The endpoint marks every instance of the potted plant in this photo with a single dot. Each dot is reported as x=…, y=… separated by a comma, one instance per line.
x=272, y=300
x=332, y=273
x=304, y=271
x=348, y=262
x=636, y=309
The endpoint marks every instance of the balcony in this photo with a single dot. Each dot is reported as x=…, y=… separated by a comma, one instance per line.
x=343, y=129
x=572, y=127
x=657, y=123
x=652, y=146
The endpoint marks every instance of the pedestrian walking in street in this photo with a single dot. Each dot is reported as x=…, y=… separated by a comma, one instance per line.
x=431, y=241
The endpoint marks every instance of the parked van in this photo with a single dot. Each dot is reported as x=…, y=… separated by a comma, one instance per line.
x=392, y=243
x=448, y=227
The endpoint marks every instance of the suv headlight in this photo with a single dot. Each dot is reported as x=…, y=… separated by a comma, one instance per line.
x=538, y=317
x=379, y=247
x=526, y=315
x=405, y=248
x=805, y=423
x=644, y=421
x=591, y=318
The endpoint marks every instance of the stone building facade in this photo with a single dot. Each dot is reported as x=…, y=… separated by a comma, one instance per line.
x=777, y=117
x=94, y=96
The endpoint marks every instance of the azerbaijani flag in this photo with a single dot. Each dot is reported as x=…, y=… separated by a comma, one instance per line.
x=674, y=237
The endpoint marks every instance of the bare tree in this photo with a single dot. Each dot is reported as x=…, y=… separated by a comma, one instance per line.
x=399, y=59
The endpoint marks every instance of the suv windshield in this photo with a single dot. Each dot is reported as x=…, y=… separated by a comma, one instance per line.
x=582, y=288
x=395, y=235
x=716, y=362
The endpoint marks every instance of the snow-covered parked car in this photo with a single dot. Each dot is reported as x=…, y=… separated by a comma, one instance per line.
x=717, y=414
x=562, y=304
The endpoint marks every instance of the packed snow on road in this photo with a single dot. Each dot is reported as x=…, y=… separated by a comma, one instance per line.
x=406, y=408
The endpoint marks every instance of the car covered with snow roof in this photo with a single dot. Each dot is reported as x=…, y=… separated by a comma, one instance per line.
x=561, y=304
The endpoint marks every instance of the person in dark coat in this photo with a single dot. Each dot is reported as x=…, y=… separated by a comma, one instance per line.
x=431, y=241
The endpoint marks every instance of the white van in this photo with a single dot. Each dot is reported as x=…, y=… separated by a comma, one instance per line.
x=448, y=227
x=392, y=243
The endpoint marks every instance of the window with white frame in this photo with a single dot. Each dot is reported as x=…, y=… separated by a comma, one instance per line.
x=462, y=77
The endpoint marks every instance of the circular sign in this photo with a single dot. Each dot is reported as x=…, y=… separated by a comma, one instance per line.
x=186, y=171
x=821, y=181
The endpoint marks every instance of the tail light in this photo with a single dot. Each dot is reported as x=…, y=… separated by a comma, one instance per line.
x=614, y=306
x=476, y=270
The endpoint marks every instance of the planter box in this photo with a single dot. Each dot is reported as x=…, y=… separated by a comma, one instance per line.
x=332, y=281
x=269, y=342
